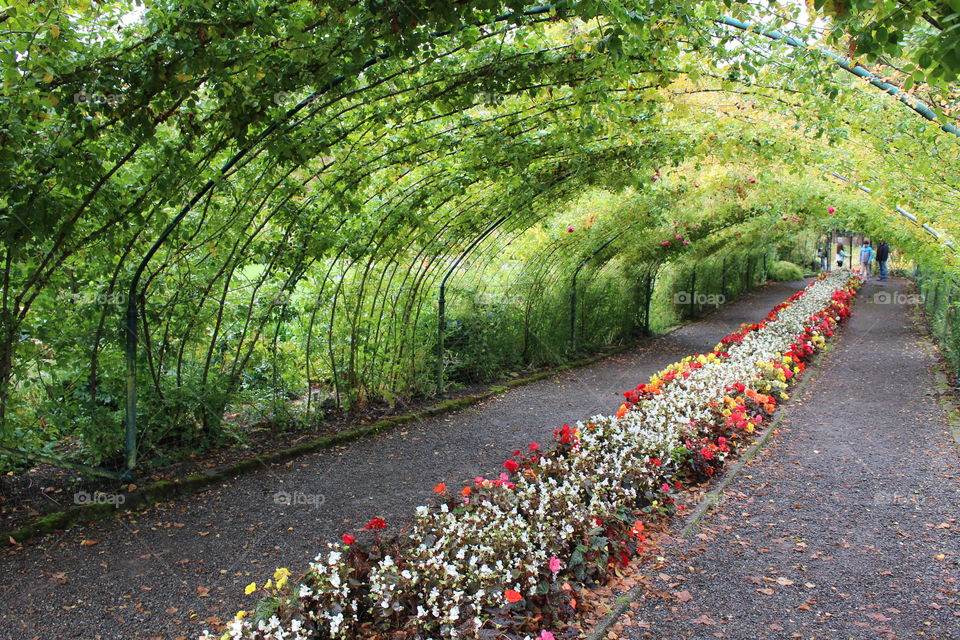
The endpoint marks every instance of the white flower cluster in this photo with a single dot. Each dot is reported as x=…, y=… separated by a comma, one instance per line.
x=509, y=535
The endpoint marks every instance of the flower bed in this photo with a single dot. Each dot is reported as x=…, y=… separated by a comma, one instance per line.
x=508, y=554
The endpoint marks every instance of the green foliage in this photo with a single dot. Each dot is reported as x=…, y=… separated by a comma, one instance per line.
x=784, y=271
x=329, y=166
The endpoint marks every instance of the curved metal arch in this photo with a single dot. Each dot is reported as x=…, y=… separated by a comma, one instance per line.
x=917, y=106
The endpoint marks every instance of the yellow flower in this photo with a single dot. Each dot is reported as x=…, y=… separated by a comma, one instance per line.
x=250, y=588
x=281, y=575
x=240, y=614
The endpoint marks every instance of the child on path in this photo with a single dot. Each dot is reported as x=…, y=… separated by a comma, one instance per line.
x=866, y=259
x=841, y=255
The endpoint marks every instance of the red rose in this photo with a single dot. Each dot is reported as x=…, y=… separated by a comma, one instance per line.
x=376, y=524
x=348, y=539
x=511, y=465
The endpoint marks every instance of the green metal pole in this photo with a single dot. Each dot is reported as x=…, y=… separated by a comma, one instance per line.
x=693, y=288
x=723, y=278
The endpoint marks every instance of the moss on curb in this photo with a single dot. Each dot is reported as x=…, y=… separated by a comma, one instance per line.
x=167, y=489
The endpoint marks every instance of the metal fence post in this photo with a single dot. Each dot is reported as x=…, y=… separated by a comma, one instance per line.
x=693, y=289
x=651, y=282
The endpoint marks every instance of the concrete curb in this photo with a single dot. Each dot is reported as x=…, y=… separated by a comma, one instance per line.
x=712, y=498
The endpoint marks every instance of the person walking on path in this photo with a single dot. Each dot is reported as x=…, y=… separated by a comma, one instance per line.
x=883, y=253
x=866, y=259
x=841, y=255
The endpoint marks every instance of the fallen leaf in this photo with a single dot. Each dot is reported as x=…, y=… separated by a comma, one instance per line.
x=879, y=617
x=766, y=592
x=683, y=596
x=705, y=619
x=203, y=592
x=88, y=543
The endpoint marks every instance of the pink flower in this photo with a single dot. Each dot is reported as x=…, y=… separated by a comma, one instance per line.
x=569, y=229
x=665, y=488
x=555, y=564
x=752, y=180
x=665, y=243
x=546, y=635
x=534, y=446
x=830, y=209
x=686, y=242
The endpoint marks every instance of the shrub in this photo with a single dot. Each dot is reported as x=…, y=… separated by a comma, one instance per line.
x=781, y=270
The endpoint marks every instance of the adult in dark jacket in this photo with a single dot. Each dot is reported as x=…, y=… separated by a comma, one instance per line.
x=883, y=253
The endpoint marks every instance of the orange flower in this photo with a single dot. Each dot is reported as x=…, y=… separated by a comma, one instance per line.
x=622, y=411
x=440, y=488
x=513, y=596
x=466, y=491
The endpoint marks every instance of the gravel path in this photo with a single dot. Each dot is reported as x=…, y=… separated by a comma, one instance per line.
x=846, y=527
x=164, y=572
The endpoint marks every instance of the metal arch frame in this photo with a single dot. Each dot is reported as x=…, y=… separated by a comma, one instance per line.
x=573, y=285
x=133, y=310
x=442, y=300
x=906, y=214
x=133, y=307
x=919, y=107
